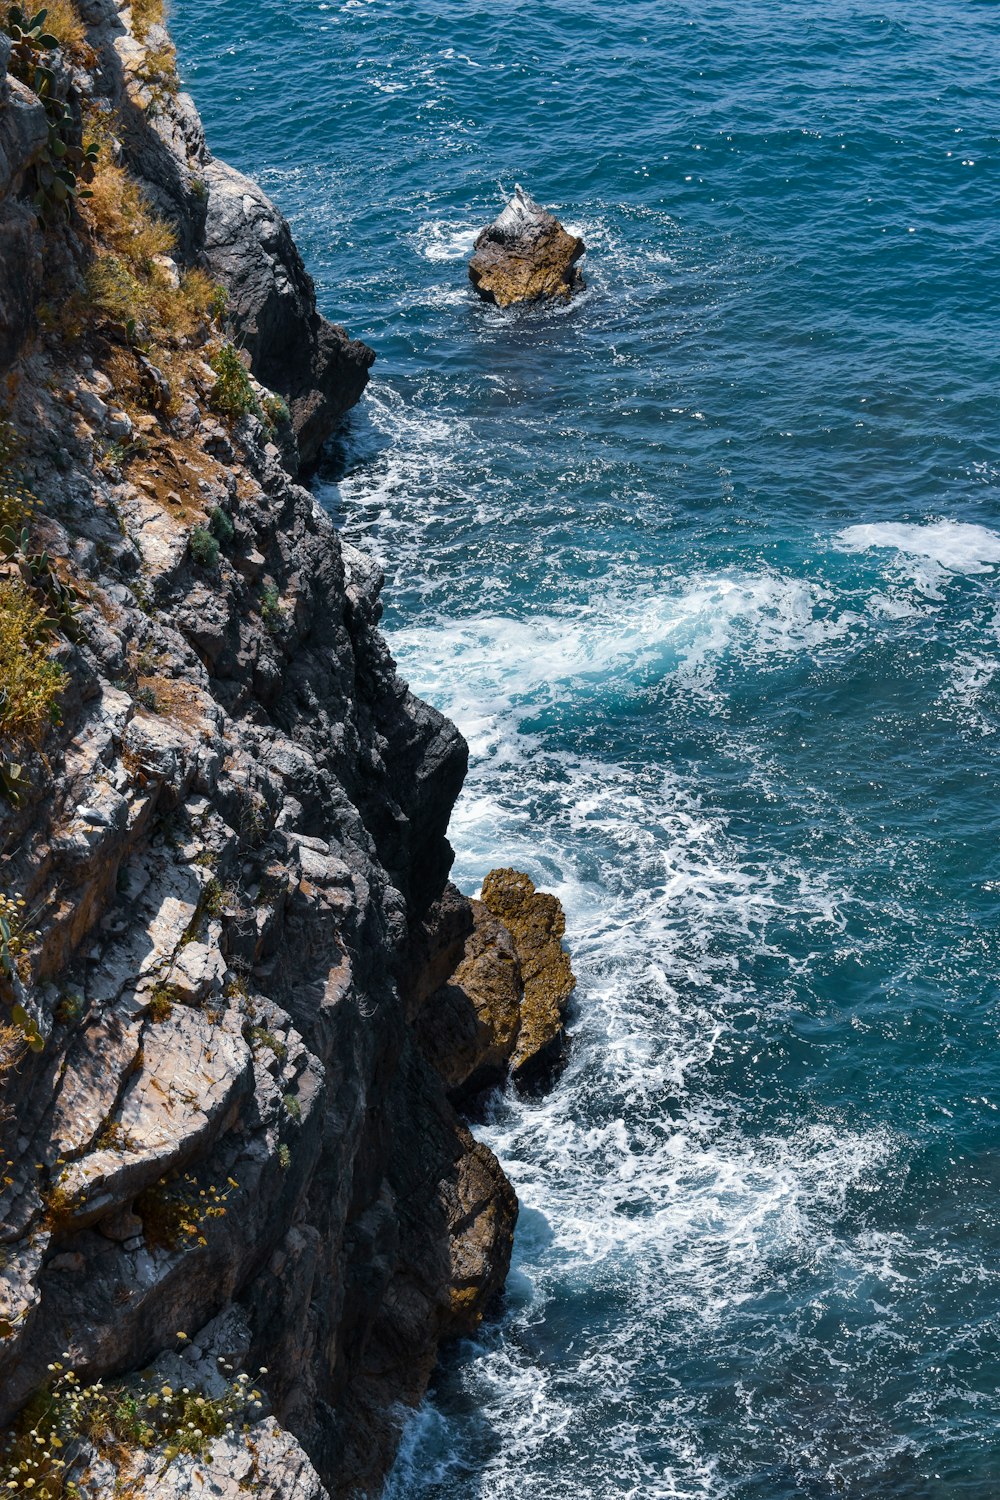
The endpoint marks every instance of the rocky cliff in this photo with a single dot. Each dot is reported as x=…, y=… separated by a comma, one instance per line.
x=238, y=1003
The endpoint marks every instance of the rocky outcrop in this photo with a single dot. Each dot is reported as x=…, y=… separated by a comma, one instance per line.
x=501, y=1012
x=229, y=1106
x=537, y=926
x=526, y=255
x=232, y=849
x=266, y=1463
x=318, y=369
x=225, y=222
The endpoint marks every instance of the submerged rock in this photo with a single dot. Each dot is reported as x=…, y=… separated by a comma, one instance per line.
x=526, y=255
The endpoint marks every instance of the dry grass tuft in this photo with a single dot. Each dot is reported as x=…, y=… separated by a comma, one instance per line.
x=118, y=214
x=134, y=290
x=158, y=71
x=62, y=19
x=145, y=15
x=12, y=1048
x=30, y=681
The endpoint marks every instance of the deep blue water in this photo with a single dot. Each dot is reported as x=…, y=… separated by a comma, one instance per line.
x=705, y=566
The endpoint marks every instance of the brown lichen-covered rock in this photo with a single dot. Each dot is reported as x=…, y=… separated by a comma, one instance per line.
x=468, y=1028
x=536, y=923
x=526, y=255
x=481, y=1209
x=502, y=1011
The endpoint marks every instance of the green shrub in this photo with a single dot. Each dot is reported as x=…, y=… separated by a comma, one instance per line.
x=270, y=609
x=204, y=548
x=219, y=302
x=276, y=413
x=16, y=941
x=259, y=1036
x=161, y=1002
x=158, y=71
x=220, y=525
x=116, y=292
x=232, y=393
x=69, y=1009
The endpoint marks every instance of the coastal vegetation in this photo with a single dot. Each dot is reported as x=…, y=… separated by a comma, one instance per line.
x=68, y=1428
x=30, y=680
x=35, y=602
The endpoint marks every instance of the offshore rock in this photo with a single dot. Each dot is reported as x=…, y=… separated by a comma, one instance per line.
x=536, y=923
x=526, y=255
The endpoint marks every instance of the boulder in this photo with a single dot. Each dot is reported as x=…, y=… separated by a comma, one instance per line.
x=536, y=924
x=502, y=1011
x=468, y=1031
x=526, y=255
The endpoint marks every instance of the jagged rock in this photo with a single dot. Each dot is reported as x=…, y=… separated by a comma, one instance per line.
x=526, y=255
x=314, y=364
x=502, y=1010
x=265, y=1461
x=468, y=1027
x=536, y=923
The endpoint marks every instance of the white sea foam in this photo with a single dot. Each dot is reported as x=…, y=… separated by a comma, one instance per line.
x=657, y=1218
x=970, y=677
x=684, y=632
x=446, y=239
x=929, y=552
x=666, y=1232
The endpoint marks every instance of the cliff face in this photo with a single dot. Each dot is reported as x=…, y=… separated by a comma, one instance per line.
x=227, y=1136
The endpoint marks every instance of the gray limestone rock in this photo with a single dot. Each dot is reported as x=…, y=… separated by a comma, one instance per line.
x=315, y=365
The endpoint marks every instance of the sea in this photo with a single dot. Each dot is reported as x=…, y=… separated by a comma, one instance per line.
x=706, y=566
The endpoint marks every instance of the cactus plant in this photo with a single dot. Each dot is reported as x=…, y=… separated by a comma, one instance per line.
x=66, y=162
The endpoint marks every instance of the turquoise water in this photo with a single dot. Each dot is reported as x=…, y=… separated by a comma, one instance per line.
x=705, y=566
